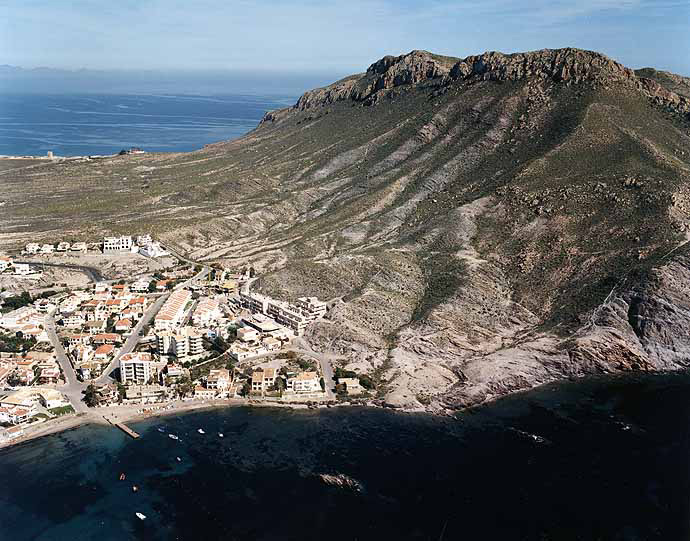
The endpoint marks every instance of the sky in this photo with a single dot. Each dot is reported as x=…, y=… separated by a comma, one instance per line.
x=338, y=37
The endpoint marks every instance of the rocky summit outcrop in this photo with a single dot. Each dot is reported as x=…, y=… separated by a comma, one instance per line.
x=478, y=226
x=571, y=66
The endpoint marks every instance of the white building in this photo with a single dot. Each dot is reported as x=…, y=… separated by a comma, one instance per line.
x=47, y=249
x=141, y=285
x=63, y=246
x=187, y=342
x=218, y=379
x=32, y=248
x=289, y=316
x=79, y=247
x=153, y=249
x=312, y=306
x=206, y=313
x=306, y=382
x=23, y=269
x=5, y=263
x=144, y=240
x=117, y=244
x=173, y=310
x=138, y=368
x=73, y=320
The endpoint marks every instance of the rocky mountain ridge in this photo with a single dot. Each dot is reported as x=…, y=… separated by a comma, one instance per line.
x=570, y=66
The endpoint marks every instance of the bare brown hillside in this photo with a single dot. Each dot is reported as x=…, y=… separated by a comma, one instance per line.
x=481, y=225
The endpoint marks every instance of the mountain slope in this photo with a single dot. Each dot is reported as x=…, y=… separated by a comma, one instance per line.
x=480, y=225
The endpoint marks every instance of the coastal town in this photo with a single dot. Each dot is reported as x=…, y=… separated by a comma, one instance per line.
x=185, y=335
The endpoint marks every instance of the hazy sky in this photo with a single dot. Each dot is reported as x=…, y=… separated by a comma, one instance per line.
x=342, y=36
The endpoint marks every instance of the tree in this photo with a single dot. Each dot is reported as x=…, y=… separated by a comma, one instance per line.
x=366, y=382
x=121, y=391
x=184, y=386
x=13, y=380
x=342, y=373
x=152, y=286
x=244, y=391
x=279, y=385
x=323, y=384
x=91, y=397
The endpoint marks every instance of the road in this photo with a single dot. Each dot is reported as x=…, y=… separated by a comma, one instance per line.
x=93, y=273
x=73, y=387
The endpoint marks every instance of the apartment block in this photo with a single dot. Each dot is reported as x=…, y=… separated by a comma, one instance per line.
x=173, y=310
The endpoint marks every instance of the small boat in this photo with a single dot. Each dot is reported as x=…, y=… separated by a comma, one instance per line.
x=220, y=434
x=135, y=488
x=142, y=516
x=161, y=429
x=201, y=431
x=178, y=459
x=122, y=477
x=173, y=437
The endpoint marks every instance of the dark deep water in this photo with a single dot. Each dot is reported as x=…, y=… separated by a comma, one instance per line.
x=611, y=461
x=77, y=125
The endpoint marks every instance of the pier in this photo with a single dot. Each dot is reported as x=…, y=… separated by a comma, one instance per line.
x=124, y=428
x=127, y=430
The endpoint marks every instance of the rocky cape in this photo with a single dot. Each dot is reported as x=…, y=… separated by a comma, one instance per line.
x=479, y=226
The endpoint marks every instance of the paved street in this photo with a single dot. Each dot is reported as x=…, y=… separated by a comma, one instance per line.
x=73, y=388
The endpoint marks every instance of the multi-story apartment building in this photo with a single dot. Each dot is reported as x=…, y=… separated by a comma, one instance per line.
x=288, y=316
x=254, y=302
x=295, y=317
x=172, y=312
x=207, y=312
x=312, y=306
x=139, y=368
x=117, y=244
x=187, y=342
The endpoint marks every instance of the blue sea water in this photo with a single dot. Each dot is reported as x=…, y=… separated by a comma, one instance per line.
x=599, y=459
x=74, y=125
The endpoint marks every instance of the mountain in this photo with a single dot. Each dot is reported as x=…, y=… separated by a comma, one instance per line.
x=480, y=225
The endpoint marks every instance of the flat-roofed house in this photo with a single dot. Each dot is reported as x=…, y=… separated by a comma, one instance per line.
x=218, y=379
x=306, y=382
x=97, y=326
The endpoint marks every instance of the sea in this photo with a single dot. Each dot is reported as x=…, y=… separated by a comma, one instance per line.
x=102, y=124
x=605, y=458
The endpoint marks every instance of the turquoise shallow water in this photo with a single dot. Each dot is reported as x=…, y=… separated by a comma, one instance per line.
x=75, y=125
x=600, y=459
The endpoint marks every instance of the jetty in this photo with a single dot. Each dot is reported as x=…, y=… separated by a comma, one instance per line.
x=124, y=428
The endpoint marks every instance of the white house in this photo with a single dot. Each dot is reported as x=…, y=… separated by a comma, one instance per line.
x=306, y=382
